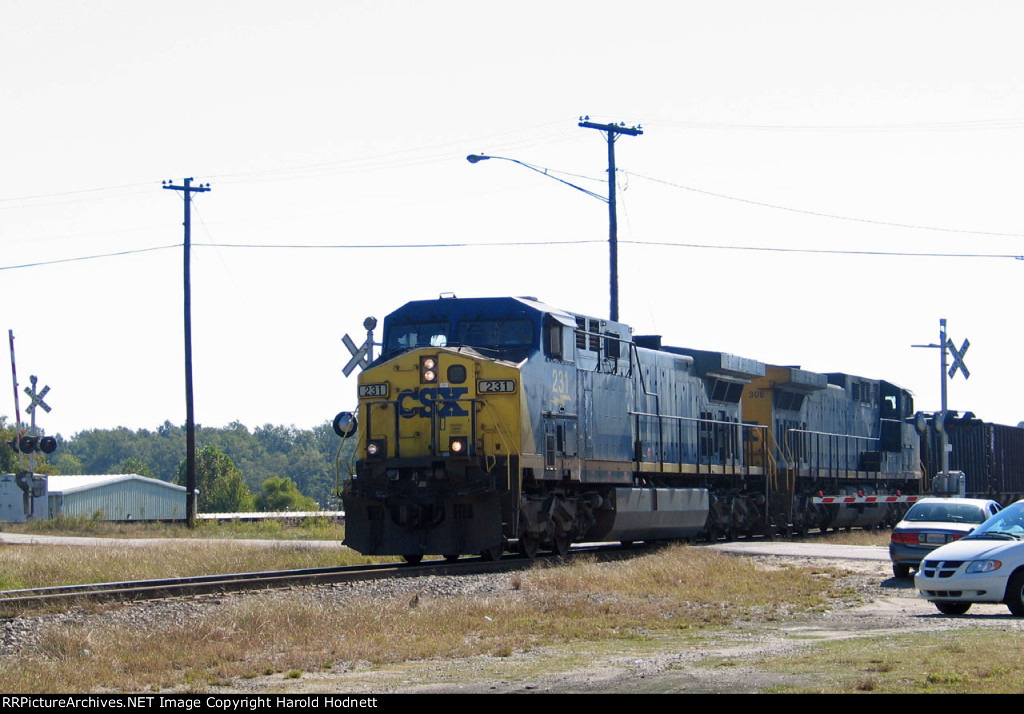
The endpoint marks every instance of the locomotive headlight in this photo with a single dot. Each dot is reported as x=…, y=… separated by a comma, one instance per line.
x=458, y=446
x=376, y=448
x=428, y=370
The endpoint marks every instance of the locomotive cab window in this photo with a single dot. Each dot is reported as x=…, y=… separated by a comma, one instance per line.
x=611, y=345
x=416, y=334
x=511, y=339
x=553, y=340
x=558, y=338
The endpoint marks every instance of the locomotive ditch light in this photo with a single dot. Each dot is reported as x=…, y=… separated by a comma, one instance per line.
x=376, y=448
x=428, y=370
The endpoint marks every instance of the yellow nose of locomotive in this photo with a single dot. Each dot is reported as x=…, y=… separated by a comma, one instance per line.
x=439, y=447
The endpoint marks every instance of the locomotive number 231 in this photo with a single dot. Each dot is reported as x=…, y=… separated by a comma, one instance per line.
x=496, y=386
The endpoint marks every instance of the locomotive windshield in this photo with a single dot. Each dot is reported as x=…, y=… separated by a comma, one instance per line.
x=506, y=339
x=510, y=339
x=416, y=334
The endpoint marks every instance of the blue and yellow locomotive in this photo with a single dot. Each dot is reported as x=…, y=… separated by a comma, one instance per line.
x=489, y=422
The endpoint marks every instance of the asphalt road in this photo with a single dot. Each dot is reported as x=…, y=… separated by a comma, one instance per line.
x=805, y=550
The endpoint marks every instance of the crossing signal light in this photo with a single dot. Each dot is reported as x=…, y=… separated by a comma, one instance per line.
x=31, y=444
x=953, y=420
x=949, y=421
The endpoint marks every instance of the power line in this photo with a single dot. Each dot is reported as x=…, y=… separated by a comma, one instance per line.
x=961, y=125
x=528, y=244
x=74, y=193
x=88, y=257
x=825, y=251
x=820, y=214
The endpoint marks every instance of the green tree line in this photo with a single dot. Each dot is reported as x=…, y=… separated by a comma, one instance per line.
x=269, y=468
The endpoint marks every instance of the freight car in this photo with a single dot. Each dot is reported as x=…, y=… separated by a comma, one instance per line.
x=495, y=422
x=990, y=456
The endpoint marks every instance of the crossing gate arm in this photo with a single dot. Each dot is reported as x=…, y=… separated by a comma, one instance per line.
x=863, y=499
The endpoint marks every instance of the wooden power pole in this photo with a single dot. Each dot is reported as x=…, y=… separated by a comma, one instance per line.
x=190, y=425
x=612, y=132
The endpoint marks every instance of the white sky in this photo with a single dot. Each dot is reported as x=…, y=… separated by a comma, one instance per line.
x=801, y=125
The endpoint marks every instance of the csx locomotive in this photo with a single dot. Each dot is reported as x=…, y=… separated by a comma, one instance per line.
x=489, y=423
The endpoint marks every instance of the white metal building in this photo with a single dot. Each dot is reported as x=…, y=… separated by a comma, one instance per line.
x=17, y=505
x=115, y=497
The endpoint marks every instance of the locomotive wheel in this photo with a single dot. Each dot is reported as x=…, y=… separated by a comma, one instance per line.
x=413, y=559
x=492, y=553
x=562, y=544
x=528, y=546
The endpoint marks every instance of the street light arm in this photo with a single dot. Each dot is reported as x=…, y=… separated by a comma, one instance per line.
x=475, y=158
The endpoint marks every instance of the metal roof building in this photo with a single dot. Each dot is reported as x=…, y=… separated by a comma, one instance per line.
x=115, y=497
x=17, y=504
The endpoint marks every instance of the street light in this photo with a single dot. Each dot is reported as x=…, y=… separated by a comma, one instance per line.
x=612, y=233
x=476, y=158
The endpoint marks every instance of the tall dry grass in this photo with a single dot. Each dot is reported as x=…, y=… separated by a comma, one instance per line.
x=681, y=591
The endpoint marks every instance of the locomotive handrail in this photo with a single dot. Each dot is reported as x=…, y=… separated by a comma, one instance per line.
x=832, y=453
x=505, y=440
x=733, y=454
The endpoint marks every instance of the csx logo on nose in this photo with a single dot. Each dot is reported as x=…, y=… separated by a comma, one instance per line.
x=422, y=402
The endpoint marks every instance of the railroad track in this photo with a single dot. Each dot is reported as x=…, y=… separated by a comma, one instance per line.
x=13, y=600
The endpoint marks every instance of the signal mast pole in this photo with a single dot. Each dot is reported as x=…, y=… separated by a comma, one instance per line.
x=946, y=344
x=611, y=132
x=190, y=426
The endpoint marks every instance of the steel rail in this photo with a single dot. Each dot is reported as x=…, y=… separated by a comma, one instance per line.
x=237, y=582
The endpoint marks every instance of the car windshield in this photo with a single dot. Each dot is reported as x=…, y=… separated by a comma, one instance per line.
x=1008, y=524
x=947, y=512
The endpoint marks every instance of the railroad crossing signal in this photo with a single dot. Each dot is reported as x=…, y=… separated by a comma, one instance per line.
x=958, y=358
x=362, y=355
x=36, y=398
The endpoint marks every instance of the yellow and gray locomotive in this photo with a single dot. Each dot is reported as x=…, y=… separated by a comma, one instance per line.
x=492, y=422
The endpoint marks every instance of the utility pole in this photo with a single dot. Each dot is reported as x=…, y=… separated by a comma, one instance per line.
x=612, y=132
x=190, y=426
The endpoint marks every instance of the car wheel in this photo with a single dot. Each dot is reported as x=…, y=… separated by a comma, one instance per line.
x=1015, y=594
x=953, y=608
x=901, y=570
